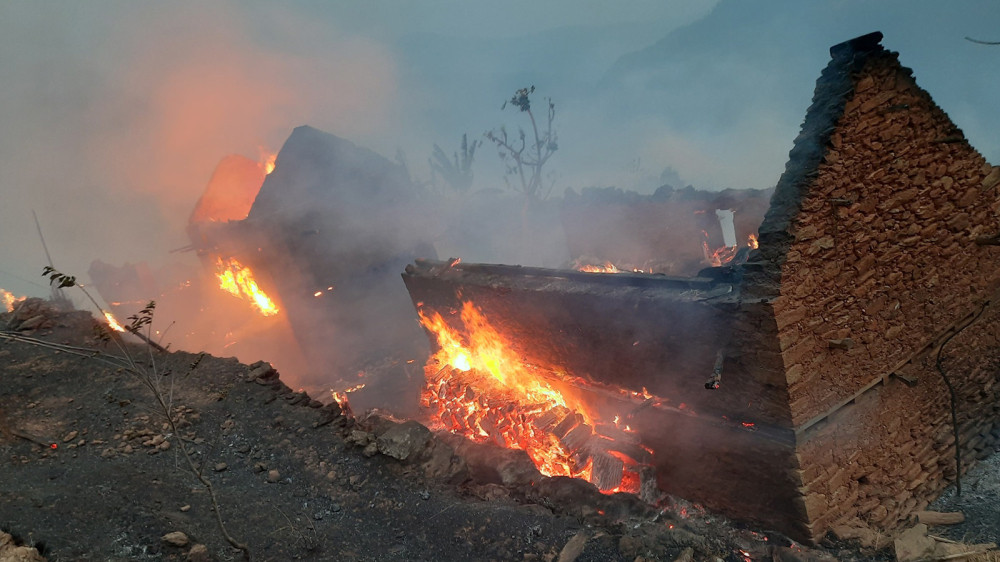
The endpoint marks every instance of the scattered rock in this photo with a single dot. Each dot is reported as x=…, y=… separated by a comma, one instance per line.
x=914, y=544
x=443, y=463
x=219, y=467
x=198, y=553
x=574, y=547
x=185, y=508
x=31, y=323
x=259, y=467
x=359, y=437
x=403, y=440
x=273, y=475
x=10, y=552
x=70, y=436
x=261, y=372
x=327, y=414
x=175, y=538
x=370, y=450
x=687, y=555
x=331, y=476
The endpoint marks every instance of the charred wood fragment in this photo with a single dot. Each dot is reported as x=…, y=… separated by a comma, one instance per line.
x=715, y=380
x=607, y=471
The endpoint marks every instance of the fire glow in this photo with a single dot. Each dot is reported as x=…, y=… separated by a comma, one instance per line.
x=477, y=387
x=237, y=280
x=722, y=256
x=267, y=160
x=113, y=323
x=608, y=267
x=9, y=300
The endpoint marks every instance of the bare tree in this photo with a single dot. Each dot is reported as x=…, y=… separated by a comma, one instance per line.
x=457, y=171
x=526, y=158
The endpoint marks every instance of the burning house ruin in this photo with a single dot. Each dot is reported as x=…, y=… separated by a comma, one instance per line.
x=842, y=374
x=821, y=354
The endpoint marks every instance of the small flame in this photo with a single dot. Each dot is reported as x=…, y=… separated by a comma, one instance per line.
x=237, y=280
x=608, y=267
x=267, y=160
x=341, y=399
x=113, y=323
x=725, y=254
x=9, y=300
x=354, y=388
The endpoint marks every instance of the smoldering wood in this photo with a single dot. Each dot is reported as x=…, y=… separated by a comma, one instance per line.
x=662, y=232
x=651, y=335
x=333, y=214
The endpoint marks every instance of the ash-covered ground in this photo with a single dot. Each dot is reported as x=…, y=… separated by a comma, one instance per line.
x=93, y=471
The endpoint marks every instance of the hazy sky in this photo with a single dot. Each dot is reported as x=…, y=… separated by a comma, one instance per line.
x=114, y=114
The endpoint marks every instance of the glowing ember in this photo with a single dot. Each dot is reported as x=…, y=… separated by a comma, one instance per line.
x=237, y=280
x=479, y=388
x=113, y=323
x=608, y=267
x=9, y=300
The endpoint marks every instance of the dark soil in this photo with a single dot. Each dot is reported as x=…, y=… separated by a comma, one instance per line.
x=92, y=471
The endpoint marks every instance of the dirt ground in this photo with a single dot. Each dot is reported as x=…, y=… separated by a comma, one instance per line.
x=92, y=471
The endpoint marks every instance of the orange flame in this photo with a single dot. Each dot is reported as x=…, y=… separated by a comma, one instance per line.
x=237, y=280
x=725, y=254
x=267, y=160
x=608, y=267
x=113, y=323
x=478, y=387
x=9, y=300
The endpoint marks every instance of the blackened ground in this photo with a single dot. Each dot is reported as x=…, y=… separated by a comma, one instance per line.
x=294, y=480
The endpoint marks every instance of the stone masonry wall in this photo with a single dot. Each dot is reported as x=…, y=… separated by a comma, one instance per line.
x=883, y=250
x=869, y=261
x=892, y=450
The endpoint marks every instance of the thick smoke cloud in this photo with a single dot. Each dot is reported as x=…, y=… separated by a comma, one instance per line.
x=115, y=114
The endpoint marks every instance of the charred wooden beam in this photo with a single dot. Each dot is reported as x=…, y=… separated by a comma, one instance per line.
x=607, y=471
x=715, y=380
